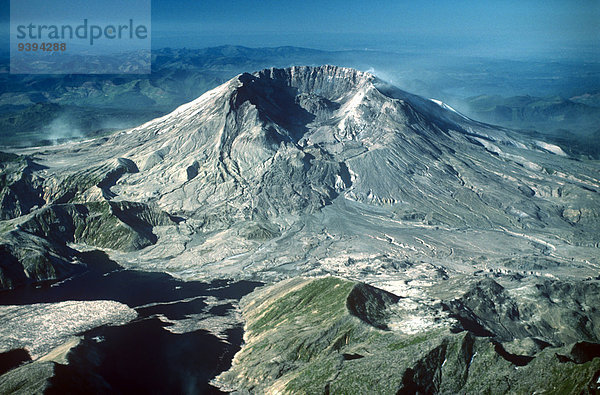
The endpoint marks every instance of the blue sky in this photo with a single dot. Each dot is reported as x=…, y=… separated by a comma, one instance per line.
x=504, y=25
x=503, y=28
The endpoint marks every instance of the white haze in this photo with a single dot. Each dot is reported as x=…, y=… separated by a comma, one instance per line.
x=62, y=128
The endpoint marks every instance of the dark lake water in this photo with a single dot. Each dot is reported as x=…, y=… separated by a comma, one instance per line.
x=141, y=356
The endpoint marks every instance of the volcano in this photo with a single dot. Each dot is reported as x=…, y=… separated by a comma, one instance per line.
x=438, y=225
x=302, y=170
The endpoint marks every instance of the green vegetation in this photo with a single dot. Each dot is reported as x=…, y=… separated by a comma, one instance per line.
x=37, y=247
x=413, y=340
x=312, y=340
x=259, y=232
x=302, y=338
x=325, y=298
x=101, y=224
x=5, y=226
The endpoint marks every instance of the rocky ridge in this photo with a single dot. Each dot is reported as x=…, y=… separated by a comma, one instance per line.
x=304, y=335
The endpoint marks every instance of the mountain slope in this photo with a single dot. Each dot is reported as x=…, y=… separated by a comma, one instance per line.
x=470, y=254
x=305, y=169
x=304, y=336
x=572, y=125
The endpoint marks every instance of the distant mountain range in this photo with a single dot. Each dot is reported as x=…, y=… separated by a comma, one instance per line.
x=573, y=123
x=44, y=109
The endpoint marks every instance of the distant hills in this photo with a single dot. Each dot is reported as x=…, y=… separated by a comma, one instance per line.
x=527, y=95
x=572, y=123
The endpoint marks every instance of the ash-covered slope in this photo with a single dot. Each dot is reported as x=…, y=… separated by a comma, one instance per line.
x=285, y=141
x=328, y=169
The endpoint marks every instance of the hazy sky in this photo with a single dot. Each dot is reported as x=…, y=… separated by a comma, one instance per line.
x=504, y=28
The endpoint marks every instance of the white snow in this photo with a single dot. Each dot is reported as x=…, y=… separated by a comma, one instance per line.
x=349, y=109
x=447, y=107
x=551, y=148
